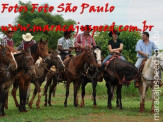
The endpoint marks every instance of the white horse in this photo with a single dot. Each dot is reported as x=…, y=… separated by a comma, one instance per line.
x=150, y=79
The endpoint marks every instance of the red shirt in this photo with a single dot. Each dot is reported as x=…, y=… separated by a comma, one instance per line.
x=81, y=40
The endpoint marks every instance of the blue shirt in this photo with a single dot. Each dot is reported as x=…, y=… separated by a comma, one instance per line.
x=145, y=48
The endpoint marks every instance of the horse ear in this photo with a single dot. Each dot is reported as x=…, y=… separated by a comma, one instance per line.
x=41, y=40
x=46, y=40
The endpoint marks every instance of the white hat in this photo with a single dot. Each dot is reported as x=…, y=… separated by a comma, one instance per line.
x=27, y=37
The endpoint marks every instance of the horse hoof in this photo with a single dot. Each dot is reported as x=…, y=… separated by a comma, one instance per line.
x=95, y=106
x=45, y=104
x=109, y=108
x=50, y=104
x=17, y=105
x=141, y=111
x=81, y=105
x=38, y=107
x=3, y=114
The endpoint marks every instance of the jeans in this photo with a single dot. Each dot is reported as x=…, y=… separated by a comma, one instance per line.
x=138, y=62
x=108, y=57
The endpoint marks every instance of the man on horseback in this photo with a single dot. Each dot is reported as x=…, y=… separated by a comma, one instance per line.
x=144, y=49
x=84, y=40
x=27, y=41
x=7, y=40
x=115, y=46
x=65, y=44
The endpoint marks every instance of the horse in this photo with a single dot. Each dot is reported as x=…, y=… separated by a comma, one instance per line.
x=150, y=78
x=73, y=69
x=25, y=63
x=91, y=76
x=39, y=49
x=117, y=73
x=41, y=72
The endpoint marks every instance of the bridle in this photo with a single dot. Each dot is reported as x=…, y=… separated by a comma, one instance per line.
x=121, y=81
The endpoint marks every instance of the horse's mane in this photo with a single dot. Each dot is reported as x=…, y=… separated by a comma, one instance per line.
x=16, y=55
x=33, y=48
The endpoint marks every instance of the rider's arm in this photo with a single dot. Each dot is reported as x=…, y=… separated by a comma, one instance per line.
x=110, y=49
x=61, y=49
x=120, y=48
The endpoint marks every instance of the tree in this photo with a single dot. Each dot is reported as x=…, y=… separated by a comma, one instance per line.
x=40, y=19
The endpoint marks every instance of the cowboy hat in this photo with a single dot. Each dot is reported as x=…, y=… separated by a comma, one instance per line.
x=113, y=32
x=86, y=27
x=27, y=37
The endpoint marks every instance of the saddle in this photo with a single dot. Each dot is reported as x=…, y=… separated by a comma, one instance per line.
x=142, y=65
x=113, y=57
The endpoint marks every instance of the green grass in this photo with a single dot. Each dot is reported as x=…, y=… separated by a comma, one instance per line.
x=130, y=100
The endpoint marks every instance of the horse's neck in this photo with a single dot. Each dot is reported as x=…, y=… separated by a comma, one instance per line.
x=79, y=60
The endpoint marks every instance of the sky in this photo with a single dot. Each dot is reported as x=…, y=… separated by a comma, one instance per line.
x=126, y=12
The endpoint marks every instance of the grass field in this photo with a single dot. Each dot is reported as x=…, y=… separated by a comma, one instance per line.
x=58, y=113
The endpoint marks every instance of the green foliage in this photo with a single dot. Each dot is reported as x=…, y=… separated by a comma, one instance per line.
x=40, y=19
x=129, y=41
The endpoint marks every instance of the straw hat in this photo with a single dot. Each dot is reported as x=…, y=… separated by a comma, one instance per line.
x=27, y=37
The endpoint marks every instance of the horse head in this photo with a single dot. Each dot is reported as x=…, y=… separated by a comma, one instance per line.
x=97, y=53
x=56, y=60
x=7, y=57
x=43, y=50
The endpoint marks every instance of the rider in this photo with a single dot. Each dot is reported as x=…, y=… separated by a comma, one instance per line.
x=65, y=44
x=7, y=40
x=27, y=41
x=115, y=45
x=144, y=50
x=84, y=40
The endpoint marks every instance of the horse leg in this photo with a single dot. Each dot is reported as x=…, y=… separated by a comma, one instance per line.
x=152, y=107
x=119, y=87
x=32, y=99
x=26, y=87
x=117, y=100
x=21, y=99
x=5, y=97
x=28, y=94
x=39, y=95
x=142, y=91
x=6, y=102
x=110, y=94
x=48, y=82
x=51, y=90
x=15, y=87
x=94, y=93
x=67, y=92
x=83, y=94
x=75, y=93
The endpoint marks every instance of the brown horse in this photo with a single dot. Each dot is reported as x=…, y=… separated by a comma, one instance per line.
x=41, y=72
x=73, y=69
x=7, y=58
x=23, y=80
x=25, y=64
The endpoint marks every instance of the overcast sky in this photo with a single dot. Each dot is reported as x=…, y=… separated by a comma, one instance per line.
x=126, y=12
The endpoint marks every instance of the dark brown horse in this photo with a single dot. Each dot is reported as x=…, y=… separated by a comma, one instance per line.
x=25, y=64
x=41, y=72
x=23, y=80
x=117, y=73
x=91, y=76
x=74, y=66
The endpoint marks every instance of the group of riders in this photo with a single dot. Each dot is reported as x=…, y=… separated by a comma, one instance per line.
x=144, y=47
